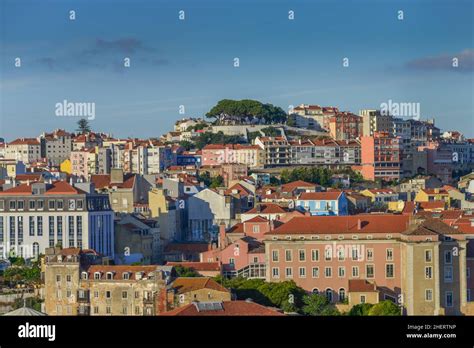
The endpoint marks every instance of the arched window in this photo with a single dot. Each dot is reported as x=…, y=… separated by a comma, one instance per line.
x=342, y=294
x=329, y=294
x=315, y=291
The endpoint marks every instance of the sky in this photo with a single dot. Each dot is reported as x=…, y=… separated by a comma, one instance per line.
x=190, y=62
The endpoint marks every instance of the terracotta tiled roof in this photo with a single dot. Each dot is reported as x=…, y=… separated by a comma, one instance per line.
x=119, y=270
x=257, y=219
x=383, y=223
x=267, y=208
x=226, y=308
x=361, y=285
x=291, y=186
x=433, y=191
x=104, y=181
x=198, y=266
x=56, y=188
x=24, y=141
x=186, y=284
x=241, y=190
x=317, y=196
x=432, y=227
x=25, y=177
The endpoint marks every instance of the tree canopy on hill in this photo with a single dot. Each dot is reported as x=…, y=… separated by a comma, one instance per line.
x=248, y=108
x=216, y=138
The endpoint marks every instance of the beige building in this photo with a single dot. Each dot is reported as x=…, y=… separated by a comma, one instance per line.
x=374, y=121
x=77, y=284
x=186, y=290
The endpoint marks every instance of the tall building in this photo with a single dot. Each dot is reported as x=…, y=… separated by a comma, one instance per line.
x=56, y=146
x=381, y=157
x=373, y=121
x=344, y=126
x=26, y=150
x=35, y=216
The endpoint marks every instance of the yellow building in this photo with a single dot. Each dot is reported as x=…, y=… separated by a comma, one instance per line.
x=11, y=167
x=66, y=166
x=433, y=195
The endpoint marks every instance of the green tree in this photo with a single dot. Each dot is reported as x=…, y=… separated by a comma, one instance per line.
x=248, y=108
x=216, y=181
x=182, y=271
x=361, y=309
x=186, y=144
x=83, y=126
x=316, y=304
x=386, y=307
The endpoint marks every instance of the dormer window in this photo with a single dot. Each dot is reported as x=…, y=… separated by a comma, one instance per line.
x=84, y=275
x=126, y=276
x=110, y=276
x=97, y=275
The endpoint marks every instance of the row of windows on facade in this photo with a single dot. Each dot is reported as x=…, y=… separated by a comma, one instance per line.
x=84, y=294
x=369, y=272
x=356, y=254
x=38, y=204
x=35, y=227
x=108, y=310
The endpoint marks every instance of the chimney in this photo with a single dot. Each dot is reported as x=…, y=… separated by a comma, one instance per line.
x=222, y=236
x=359, y=224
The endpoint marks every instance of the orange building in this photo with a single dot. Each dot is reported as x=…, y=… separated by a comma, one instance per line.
x=381, y=157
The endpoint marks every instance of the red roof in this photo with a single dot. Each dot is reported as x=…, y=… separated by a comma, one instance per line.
x=317, y=196
x=104, y=181
x=226, y=308
x=267, y=208
x=361, y=285
x=291, y=186
x=383, y=223
x=25, y=141
x=56, y=188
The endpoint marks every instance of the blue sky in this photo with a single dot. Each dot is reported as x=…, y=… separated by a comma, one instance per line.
x=190, y=62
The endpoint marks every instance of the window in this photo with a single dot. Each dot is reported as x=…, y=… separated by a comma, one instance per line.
x=329, y=294
x=137, y=310
x=342, y=294
x=389, y=254
x=340, y=254
x=40, y=204
x=58, y=278
x=232, y=261
x=369, y=271
x=314, y=255
x=96, y=294
x=448, y=257
x=355, y=271
x=275, y=255
x=32, y=205
x=97, y=275
x=328, y=254
x=137, y=294
x=124, y=294
x=448, y=274
x=428, y=255
x=341, y=272
x=68, y=278
x=289, y=272
x=96, y=310
x=428, y=295
x=108, y=294
x=315, y=272
x=362, y=299
x=276, y=272
x=256, y=229
x=51, y=205
x=328, y=272
x=109, y=276
x=302, y=272
x=107, y=310
x=355, y=253
x=428, y=272
x=59, y=204
x=288, y=255
x=302, y=255
x=68, y=293
x=389, y=270
x=449, y=298
x=21, y=205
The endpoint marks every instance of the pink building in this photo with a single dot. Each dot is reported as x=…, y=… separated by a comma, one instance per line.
x=241, y=250
x=217, y=154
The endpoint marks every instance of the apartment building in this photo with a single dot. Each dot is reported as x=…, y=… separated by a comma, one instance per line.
x=324, y=151
x=26, y=150
x=381, y=157
x=410, y=261
x=38, y=215
x=84, y=162
x=344, y=126
x=56, y=146
x=311, y=116
x=216, y=154
x=373, y=121
x=276, y=150
x=77, y=284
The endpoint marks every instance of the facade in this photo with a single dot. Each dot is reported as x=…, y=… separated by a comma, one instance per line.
x=373, y=121
x=323, y=203
x=40, y=215
x=381, y=157
x=344, y=126
x=249, y=155
x=410, y=261
x=276, y=150
x=26, y=150
x=56, y=146
x=75, y=284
